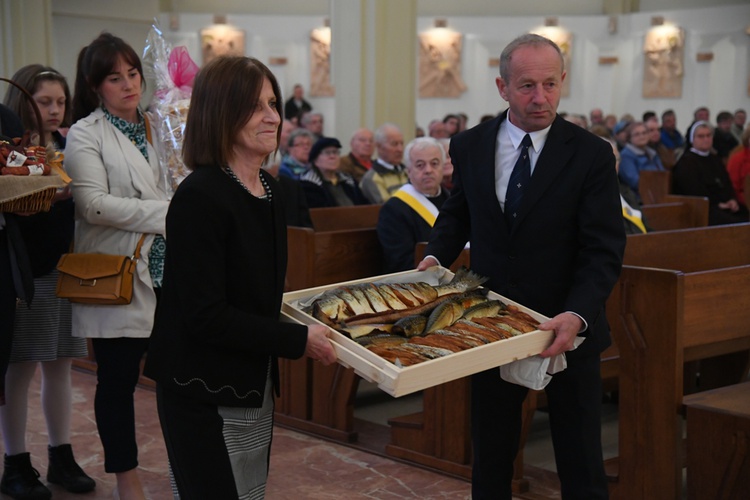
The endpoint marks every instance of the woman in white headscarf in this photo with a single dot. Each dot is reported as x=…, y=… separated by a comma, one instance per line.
x=700, y=172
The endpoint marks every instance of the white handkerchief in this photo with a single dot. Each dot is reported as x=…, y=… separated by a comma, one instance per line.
x=535, y=372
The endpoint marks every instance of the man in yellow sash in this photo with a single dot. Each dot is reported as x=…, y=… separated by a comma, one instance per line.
x=408, y=216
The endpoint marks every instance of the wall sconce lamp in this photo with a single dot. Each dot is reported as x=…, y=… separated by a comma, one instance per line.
x=657, y=20
x=551, y=21
x=441, y=23
x=612, y=25
x=220, y=19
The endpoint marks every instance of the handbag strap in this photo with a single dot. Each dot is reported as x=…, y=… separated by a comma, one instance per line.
x=148, y=128
x=137, y=253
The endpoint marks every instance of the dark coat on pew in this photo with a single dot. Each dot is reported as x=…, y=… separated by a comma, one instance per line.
x=699, y=175
x=322, y=193
x=295, y=202
x=632, y=199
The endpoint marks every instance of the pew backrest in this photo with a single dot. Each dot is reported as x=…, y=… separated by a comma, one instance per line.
x=691, y=250
x=677, y=212
x=654, y=185
x=341, y=218
x=323, y=257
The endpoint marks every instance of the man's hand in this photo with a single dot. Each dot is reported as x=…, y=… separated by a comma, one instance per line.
x=426, y=263
x=318, y=346
x=566, y=327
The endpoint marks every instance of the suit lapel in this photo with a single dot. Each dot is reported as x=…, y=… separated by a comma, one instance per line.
x=486, y=147
x=553, y=159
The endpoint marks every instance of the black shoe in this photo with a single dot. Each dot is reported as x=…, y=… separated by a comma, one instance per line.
x=21, y=481
x=64, y=470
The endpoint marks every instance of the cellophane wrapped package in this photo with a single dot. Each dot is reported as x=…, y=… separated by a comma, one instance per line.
x=173, y=72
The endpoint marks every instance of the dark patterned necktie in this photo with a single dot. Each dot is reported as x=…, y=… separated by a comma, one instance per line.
x=519, y=179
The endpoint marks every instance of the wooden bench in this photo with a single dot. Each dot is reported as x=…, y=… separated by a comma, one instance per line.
x=682, y=213
x=315, y=398
x=341, y=218
x=417, y=437
x=654, y=186
x=718, y=443
x=690, y=303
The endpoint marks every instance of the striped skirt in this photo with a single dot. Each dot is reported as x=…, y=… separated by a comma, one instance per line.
x=42, y=332
x=216, y=452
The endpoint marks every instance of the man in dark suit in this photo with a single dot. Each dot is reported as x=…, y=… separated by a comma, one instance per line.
x=559, y=252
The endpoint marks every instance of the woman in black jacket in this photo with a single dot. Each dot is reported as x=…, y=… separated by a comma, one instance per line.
x=217, y=336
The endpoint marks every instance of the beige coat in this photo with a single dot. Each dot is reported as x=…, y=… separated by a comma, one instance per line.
x=118, y=196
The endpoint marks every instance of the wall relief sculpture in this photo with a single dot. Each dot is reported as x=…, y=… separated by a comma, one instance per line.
x=440, y=64
x=320, y=63
x=564, y=39
x=222, y=40
x=663, y=51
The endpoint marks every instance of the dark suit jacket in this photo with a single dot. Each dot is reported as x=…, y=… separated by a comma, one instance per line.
x=565, y=250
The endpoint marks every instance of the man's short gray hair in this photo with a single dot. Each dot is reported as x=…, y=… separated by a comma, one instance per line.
x=422, y=143
x=527, y=40
x=381, y=133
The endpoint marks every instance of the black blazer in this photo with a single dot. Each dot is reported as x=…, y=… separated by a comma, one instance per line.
x=217, y=322
x=566, y=247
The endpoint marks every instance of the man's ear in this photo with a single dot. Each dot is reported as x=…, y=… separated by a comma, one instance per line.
x=501, y=87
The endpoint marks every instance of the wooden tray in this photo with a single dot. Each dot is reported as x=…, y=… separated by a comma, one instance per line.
x=398, y=381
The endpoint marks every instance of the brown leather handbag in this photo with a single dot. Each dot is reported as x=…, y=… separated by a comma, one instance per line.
x=94, y=278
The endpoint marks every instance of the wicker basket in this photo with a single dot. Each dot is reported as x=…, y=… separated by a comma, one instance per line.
x=28, y=194
x=32, y=199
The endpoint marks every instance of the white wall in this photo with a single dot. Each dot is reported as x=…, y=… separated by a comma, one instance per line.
x=720, y=84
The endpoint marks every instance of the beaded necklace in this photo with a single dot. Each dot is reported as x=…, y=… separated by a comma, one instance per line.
x=266, y=196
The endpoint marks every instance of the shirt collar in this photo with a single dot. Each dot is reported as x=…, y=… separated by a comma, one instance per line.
x=538, y=138
x=389, y=166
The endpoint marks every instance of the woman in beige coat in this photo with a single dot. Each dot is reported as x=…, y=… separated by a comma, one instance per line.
x=120, y=193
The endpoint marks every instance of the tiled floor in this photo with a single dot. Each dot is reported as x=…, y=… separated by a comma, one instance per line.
x=301, y=466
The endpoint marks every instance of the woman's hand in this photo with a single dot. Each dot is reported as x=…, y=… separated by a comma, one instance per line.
x=732, y=205
x=62, y=194
x=318, y=346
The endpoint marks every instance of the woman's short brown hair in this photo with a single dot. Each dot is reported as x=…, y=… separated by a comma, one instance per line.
x=225, y=95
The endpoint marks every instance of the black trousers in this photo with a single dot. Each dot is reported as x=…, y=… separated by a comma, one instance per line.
x=574, y=397
x=118, y=363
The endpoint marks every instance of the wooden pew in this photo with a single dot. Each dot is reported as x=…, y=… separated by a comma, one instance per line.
x=439, y=436
x=341, y=218
x=654, y=186
x=322, y=257
x=672, y=211
x=685, y=212
x=690, y=303
x=417, y=438
x=314, y=398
